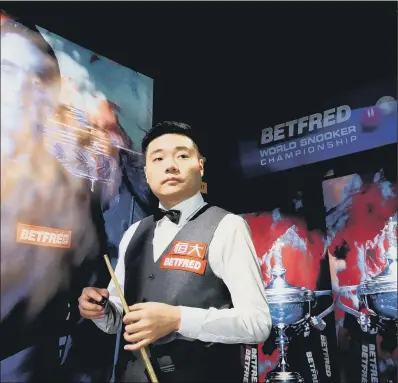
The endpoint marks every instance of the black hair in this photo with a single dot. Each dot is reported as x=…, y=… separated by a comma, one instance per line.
x=168, y=127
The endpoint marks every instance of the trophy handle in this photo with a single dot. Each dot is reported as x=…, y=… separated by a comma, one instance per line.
x=318, y=322
x=347, y=309
x=363, y=318
x=341, y=305
x=321, y=293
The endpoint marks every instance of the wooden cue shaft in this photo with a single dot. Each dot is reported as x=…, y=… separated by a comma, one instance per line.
x=144, y=351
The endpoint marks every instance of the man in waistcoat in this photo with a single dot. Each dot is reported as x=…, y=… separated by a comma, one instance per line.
x=190, y=275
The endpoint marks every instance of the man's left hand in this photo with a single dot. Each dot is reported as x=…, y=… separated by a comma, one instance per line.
x=148, y=322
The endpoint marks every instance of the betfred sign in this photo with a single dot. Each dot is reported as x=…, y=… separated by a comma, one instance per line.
x=318, y=137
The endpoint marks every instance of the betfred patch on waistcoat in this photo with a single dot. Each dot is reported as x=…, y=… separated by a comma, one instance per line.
x=186, y=256
x=43, y=236
x=192, y=264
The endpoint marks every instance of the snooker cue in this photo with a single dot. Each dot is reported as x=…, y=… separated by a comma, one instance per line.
x=144, y=351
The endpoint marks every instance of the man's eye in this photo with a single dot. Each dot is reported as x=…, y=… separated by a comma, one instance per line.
x=7, y=68
x=157, y=159
x=183, y=156
x=36, y=82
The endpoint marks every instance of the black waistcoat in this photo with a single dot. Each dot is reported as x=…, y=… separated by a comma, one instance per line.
x=176, y=359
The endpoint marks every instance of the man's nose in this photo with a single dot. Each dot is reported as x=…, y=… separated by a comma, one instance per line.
x=171, y=167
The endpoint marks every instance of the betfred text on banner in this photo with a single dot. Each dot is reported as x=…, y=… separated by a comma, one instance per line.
x=321, y=136
x=43, y=236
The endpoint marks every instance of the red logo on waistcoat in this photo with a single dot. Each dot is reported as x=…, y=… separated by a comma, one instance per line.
x=186, y=256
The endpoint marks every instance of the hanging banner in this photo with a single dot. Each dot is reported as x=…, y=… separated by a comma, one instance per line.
x=293, y=261
x=72, y=183
x=338, y=131
x=362, y=246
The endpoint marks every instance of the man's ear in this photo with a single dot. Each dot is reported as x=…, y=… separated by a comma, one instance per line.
x=146, y=177
x=202, y=166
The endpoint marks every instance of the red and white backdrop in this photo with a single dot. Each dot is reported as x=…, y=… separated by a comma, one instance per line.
x=362, y=245
x=332, y=293
x=294, y=266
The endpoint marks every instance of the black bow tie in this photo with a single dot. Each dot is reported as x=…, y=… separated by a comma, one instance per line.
x=173, y=215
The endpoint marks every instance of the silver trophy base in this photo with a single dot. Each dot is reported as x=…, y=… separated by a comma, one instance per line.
x=284, y=377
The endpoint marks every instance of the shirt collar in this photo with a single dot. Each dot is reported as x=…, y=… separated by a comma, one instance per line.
x=187, y=207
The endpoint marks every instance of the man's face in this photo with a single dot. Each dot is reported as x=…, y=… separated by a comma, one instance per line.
x=27, y=91
x=174, y=168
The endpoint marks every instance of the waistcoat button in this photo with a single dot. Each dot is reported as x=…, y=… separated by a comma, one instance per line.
x=151, y=277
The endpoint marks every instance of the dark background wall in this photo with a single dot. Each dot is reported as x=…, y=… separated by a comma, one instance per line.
x=231, y=69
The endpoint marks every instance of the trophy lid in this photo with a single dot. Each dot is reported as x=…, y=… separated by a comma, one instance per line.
x=385, y=282
x=379, y=284
x=279, y=289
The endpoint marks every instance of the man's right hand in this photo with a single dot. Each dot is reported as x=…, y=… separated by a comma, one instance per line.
x=91, y=310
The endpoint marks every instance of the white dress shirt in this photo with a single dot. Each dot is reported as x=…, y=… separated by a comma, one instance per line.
x=232, y=258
